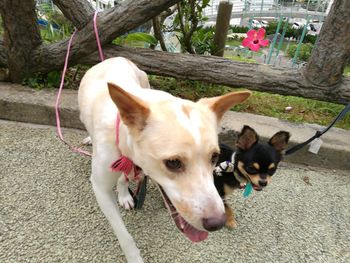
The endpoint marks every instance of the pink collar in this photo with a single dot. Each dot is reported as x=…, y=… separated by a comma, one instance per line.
x=124, y=164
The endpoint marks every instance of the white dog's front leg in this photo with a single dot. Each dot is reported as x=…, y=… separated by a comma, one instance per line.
x=103, y=182
x=124, y=198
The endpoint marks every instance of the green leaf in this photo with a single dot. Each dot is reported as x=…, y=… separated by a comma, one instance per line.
x=141, y=37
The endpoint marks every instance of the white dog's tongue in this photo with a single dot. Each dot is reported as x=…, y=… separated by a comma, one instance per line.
x=189, y=231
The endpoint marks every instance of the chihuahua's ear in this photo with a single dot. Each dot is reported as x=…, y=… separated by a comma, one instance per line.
x=247, y=138
x=219, y=105
x=133, y=111
x=280, y=140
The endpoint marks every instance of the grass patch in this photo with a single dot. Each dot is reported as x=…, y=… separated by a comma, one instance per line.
x=241, y=59
x=187, y=89
x=346, y=72
x=303, y=110
x=234, y=43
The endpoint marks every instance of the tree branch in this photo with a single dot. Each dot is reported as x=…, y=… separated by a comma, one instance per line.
x=79, y=12
x=158, y=32
x=259, y=77
x=167, y=13
x=111, y=24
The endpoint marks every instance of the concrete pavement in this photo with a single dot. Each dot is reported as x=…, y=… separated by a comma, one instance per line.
x=18, y=103
x=48, y=212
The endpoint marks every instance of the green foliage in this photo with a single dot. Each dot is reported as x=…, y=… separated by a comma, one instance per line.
x=138, y=39
x=58, y=27
x=187, y=21
x=40, y=81
x=239, y=29
x=290, y=31
x=141, y=37
x=241, y=59
x=187, y=89
x=1, y=27
x=304, y=52
x=119, y=41
x=310, y=39
x=203, y=41
x=271, y=28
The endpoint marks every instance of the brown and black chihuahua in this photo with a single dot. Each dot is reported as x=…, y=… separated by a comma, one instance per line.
x=253, y=163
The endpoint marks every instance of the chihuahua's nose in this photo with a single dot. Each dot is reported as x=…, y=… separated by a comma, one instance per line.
x=262, y=183
x=214, y=223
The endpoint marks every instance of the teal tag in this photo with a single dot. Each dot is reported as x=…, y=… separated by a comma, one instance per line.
x=247, y=190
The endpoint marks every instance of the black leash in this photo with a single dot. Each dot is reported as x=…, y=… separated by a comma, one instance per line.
x=318, y=134
x=140, y=193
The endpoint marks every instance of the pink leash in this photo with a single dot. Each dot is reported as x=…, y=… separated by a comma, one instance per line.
x=97, y=37
x=58, y=98
x=123, y=164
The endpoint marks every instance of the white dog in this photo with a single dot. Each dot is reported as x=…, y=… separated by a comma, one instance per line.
x=173, y=140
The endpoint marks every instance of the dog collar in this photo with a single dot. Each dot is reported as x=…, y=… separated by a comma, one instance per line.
x=243, y=182
x=241, y=179
x=123, y=164
x=126, y=166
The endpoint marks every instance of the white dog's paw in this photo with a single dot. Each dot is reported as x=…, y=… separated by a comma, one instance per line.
x=126, y=201
x=134, y=259
x=133, y=256
x=124, y=197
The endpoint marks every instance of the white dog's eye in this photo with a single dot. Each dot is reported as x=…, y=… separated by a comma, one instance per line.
x=214, y=158
x=174, y=165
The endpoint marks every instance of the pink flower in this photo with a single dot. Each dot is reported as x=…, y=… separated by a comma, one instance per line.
x=255, y=39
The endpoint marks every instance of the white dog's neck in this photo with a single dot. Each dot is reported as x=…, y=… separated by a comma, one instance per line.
x=125, y=144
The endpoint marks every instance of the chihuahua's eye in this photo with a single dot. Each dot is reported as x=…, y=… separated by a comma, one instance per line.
x=214, y=158
x=271, y=171
x=251, y=170
x=174, y=165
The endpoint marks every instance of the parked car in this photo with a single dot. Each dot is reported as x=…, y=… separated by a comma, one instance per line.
x=296, y=25
x=256, y=24
x=264, y=23
x=312, y=27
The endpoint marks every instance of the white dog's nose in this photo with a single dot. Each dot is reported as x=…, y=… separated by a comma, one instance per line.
x=214, y=223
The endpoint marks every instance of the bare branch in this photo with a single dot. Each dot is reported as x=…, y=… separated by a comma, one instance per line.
x=158, y=32
x=223, y=71
x=111, y=23
x=167, y=13
x=79, y=12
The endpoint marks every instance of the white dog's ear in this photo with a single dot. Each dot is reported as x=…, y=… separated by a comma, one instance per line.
x=219, y=105
x=133, y=111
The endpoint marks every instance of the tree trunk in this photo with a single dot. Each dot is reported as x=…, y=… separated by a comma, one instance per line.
x=259, y=77
x=3, y=57
x=221, y=27
x=21, y=35
x=330, y=54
